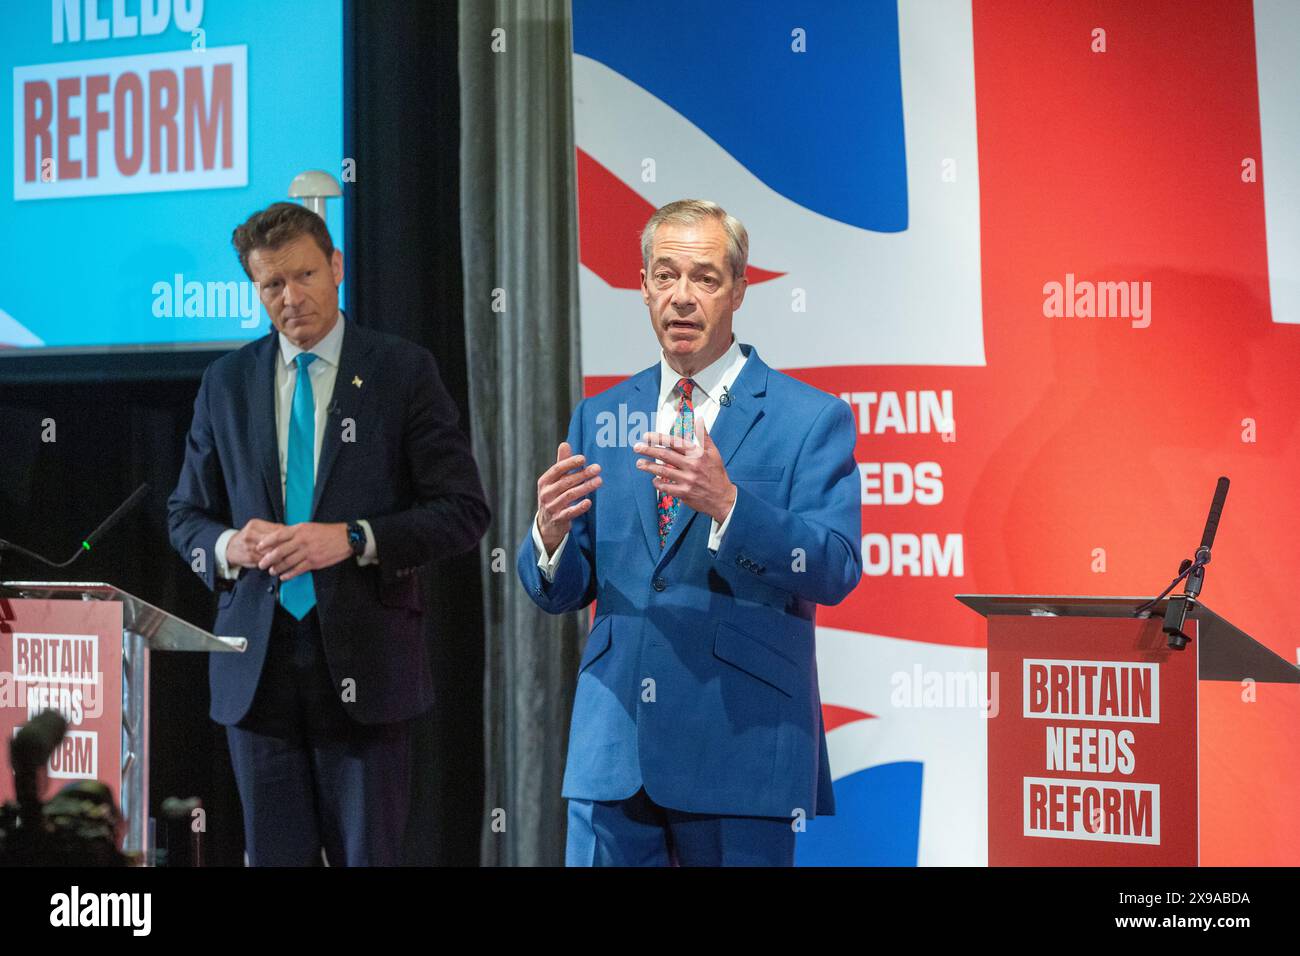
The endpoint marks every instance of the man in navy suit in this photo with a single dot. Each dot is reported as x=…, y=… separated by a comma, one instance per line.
x=324, y=470
x=706, y=538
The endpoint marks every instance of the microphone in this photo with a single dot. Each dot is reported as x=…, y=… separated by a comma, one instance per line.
x=1192, y=573
x=725, y=398
x=29, y=751
x=32, y=745
x=1196, y=576
x=1212, y=522
x=136, y=497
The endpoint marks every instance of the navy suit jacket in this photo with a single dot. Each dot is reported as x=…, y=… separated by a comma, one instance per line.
x=699, y=677
x=406, y=468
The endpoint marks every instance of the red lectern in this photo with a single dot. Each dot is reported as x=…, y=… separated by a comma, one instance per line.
x=82, y=648
x=1094, y=755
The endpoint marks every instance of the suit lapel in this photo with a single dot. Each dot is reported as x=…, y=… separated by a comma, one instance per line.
x=646, y=402
x=259, y=386
x=747, y=396
x=354, y=367
x=729, y=430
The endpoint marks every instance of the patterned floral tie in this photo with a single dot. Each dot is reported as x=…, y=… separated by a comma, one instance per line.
x=683, y=426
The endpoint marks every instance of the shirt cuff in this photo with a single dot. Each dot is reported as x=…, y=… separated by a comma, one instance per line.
x=369, y=555
x=547, y=564
x=224, y=569
x=716, y=531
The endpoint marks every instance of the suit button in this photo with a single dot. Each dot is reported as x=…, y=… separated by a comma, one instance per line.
x=660, y=584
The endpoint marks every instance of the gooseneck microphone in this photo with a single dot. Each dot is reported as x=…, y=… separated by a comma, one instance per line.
x=1193, y=572
x=136, y=497
x=1196, y=574
x=1212, y=521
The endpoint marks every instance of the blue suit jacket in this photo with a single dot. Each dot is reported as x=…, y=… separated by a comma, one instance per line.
x=407, y=469
x=699, y=677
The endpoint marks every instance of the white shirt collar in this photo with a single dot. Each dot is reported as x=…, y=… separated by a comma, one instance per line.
x=328, y=349
x=708, y=381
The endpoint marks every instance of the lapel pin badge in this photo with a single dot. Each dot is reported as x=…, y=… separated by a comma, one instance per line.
x=356, y=380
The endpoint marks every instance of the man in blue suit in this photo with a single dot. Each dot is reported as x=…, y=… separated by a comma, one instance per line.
x=707, y=505
x=324, y=470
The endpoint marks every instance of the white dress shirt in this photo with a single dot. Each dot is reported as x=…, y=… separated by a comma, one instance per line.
x=710, y=383
x=322, y=371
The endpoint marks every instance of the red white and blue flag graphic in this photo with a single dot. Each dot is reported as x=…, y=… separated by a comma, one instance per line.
x=1050, y=254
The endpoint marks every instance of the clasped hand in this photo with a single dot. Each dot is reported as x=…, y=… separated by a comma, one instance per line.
x=289, y=550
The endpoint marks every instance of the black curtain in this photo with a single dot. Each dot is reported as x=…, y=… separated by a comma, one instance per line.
x=121, y=427
x=402, y=126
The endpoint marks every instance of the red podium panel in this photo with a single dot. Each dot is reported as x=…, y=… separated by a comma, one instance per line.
x=66, y=656
x=82, y=648
x=1092, y=751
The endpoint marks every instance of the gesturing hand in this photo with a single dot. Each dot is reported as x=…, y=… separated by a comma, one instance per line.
x=690, y=471
x=558, y=494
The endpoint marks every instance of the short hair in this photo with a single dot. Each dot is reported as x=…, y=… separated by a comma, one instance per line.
x=277, y=225
x=690, y=212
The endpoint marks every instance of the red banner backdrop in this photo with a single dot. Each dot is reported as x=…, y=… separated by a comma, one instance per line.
x=1131, y=353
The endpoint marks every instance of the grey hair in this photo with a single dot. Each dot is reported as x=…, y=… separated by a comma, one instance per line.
x=690, y=212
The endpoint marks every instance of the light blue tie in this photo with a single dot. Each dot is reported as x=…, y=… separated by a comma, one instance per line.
x=298, y=595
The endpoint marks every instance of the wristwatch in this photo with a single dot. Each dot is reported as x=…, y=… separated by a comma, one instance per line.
x=357, y=538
